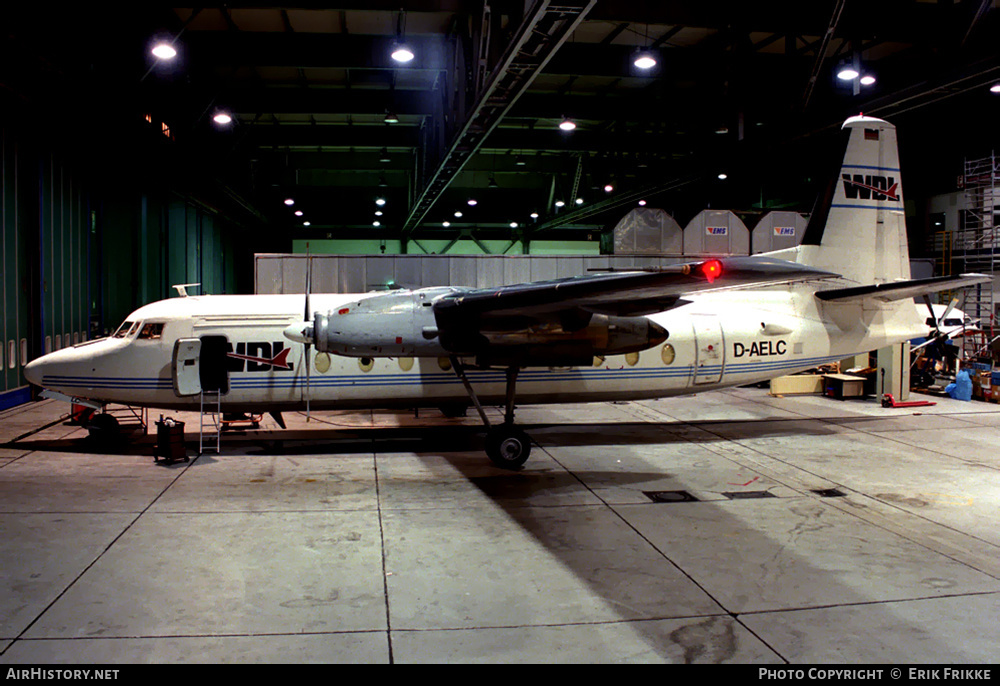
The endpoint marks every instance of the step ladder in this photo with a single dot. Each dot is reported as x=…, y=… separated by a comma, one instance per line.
x=211, y=404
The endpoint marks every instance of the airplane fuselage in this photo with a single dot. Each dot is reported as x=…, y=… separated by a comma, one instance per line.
x=718, y=339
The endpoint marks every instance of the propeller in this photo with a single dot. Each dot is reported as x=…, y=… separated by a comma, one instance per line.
x=304, y=332
x=938, y=335
x=308, y=345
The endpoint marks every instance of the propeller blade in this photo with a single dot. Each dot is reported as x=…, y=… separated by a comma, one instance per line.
x=306, y=315
x=308, y=356
x=934, y=319
x=951, y=306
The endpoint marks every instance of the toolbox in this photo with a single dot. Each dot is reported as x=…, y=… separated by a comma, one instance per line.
x=169, y=441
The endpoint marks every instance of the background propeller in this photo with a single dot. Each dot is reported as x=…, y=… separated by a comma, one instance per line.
x=936, y=322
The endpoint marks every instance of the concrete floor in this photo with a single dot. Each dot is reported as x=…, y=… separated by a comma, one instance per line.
x=389, y=538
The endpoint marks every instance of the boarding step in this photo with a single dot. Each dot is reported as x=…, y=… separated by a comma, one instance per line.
x=211, y=419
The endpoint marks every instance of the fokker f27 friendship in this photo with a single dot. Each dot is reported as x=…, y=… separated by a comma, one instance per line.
x=708, y=324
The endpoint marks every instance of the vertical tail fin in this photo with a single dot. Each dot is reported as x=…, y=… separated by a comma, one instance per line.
x=858, y=227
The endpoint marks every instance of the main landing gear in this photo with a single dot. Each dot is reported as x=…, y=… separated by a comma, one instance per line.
x=507, y=446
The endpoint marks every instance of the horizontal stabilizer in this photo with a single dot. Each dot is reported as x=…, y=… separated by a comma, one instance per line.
x=900, y=290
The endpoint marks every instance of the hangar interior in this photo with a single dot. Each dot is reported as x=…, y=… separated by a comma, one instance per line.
x=227, y=146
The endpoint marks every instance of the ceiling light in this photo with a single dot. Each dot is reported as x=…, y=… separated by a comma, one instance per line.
x=289, y=202
x=846, y=72
x=383, y=155
x=644, y=59
x=445, y=223
x=391, y=118
x=608, y=188
x=493, y=182
x=402, y=53
x=519, y=162
x=513, y=225
x=222, y=118
x=164, y=51
x=380, y=201
x=458, y=214
x=473, y=202
x=376, y=223
x=579, y=201
x=567, y=124
x=723, y=176
x=995, y=88
x=642, y=203
x=559, y=203
x=534, y=215
x=378, y=213
x=298, y=213
x=306, y=223
x=867, y=80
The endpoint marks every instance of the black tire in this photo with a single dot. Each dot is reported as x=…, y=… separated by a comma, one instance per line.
x=508, y=447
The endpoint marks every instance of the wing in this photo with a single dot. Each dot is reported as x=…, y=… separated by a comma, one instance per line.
x=571, y=302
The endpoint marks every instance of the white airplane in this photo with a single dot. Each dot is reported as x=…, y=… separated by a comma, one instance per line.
x=695, y=327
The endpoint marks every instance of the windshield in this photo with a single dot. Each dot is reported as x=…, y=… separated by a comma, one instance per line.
x=126, y=329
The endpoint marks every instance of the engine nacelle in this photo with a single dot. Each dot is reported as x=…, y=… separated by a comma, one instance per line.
x=555, y=344
x=384, y=325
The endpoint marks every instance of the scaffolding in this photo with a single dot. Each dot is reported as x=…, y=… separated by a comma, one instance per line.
x=977, y=244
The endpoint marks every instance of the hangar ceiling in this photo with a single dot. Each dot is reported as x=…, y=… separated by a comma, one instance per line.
x=323, y=115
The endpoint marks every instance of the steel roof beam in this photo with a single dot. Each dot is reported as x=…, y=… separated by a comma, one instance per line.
x=545, y=27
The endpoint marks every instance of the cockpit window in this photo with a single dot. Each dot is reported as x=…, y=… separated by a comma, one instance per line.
x=152, y=331
x=124, y=330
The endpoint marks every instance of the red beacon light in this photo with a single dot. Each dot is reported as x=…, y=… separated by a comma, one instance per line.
x=712, y=269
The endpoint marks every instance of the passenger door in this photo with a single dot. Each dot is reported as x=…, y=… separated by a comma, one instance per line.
x=186, y=366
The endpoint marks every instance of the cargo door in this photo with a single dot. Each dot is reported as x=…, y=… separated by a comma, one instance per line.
x=710, y=348
x=186, y=366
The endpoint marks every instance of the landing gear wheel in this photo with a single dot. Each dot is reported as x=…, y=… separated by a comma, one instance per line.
x=508, y=447
x=104, y=429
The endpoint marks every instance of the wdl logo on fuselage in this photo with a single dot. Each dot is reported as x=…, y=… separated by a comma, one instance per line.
x=258, y=356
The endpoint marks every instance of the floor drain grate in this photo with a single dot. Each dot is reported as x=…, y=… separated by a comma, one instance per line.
x=670, y=496
x=829, y=493
x=748, y=495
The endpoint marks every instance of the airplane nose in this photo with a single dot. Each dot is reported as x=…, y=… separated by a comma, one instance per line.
x=33, y=372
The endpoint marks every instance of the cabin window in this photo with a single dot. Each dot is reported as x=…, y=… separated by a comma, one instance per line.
x=152, y=331
x=124, y=329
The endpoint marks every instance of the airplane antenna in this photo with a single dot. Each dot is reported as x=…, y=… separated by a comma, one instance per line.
x=182, y=288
